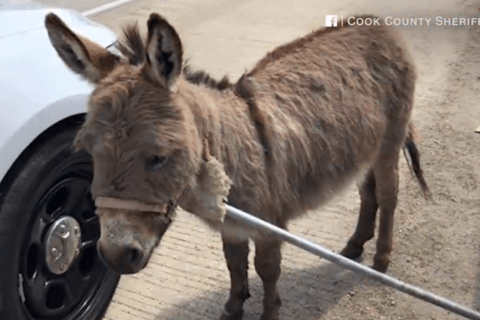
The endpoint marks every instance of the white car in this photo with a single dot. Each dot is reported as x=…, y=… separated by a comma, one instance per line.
x=49, y=268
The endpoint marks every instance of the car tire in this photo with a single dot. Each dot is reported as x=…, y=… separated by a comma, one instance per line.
x=24, y=270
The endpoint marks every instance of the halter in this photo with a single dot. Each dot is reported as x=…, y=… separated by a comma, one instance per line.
x=134, y=205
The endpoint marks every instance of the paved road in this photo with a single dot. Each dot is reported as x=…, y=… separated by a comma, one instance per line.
x=187, y=277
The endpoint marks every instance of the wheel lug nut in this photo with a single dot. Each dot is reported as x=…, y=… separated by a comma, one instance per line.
x=54, y=252
x=62, y=229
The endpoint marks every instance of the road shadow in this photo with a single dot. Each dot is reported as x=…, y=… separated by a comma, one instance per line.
x=306, y=294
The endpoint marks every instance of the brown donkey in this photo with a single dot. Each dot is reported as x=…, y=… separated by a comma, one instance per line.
x=311, y=117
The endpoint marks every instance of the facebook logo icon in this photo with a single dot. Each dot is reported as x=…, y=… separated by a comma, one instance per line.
x=331, y=20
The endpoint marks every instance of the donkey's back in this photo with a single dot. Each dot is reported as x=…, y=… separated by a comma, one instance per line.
x=335, y=104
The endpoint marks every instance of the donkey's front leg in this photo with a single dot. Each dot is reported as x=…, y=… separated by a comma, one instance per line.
x=236, y=251
x=267, y=264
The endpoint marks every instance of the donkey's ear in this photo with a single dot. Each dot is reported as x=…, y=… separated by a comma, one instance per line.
x=164, y=52
x=84, y=57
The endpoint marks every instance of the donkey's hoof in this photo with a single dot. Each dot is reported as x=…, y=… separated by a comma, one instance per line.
x=269, y=317
x=235, y=315
x=352, y=251
x=380, y=266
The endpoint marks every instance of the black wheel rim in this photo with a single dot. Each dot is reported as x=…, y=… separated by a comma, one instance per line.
x=45, y=295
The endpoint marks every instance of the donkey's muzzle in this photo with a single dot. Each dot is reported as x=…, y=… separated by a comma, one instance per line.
x=123, y=259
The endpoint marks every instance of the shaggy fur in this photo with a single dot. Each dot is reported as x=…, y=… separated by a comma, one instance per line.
x=307, y=120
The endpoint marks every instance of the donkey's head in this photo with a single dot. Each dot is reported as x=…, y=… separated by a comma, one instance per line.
x=142, y=138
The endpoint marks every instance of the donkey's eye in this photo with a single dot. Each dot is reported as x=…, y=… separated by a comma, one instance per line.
x=156, y=162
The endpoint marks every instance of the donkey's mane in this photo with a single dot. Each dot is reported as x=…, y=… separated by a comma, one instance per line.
x=133, y=48
x=202, y=77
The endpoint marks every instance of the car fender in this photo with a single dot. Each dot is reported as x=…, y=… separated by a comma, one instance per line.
x=24, y=129
x=37, y=90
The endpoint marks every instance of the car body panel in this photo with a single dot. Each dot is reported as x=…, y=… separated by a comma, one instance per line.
x=37, y=89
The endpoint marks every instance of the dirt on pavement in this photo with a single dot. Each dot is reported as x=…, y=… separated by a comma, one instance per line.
x=436, y=244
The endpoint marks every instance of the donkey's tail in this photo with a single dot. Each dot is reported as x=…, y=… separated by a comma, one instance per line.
x=414, y=162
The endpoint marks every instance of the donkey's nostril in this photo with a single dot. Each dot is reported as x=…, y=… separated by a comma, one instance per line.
x=124, y=259
x=135, y=256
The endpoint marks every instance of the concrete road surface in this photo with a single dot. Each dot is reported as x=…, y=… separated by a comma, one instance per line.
x=436, y=244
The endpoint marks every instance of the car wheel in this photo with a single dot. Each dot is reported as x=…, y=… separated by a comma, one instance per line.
x=49, y=265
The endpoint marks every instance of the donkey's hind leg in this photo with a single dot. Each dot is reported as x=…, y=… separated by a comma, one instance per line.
x=386, y=174
x=385, y=170
x=365, y=229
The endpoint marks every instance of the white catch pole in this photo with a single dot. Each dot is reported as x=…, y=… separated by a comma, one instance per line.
x=311, y=247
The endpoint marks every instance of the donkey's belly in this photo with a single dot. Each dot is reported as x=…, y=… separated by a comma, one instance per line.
x=342, y=155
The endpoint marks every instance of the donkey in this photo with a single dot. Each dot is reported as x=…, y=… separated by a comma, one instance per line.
x=311, y=117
